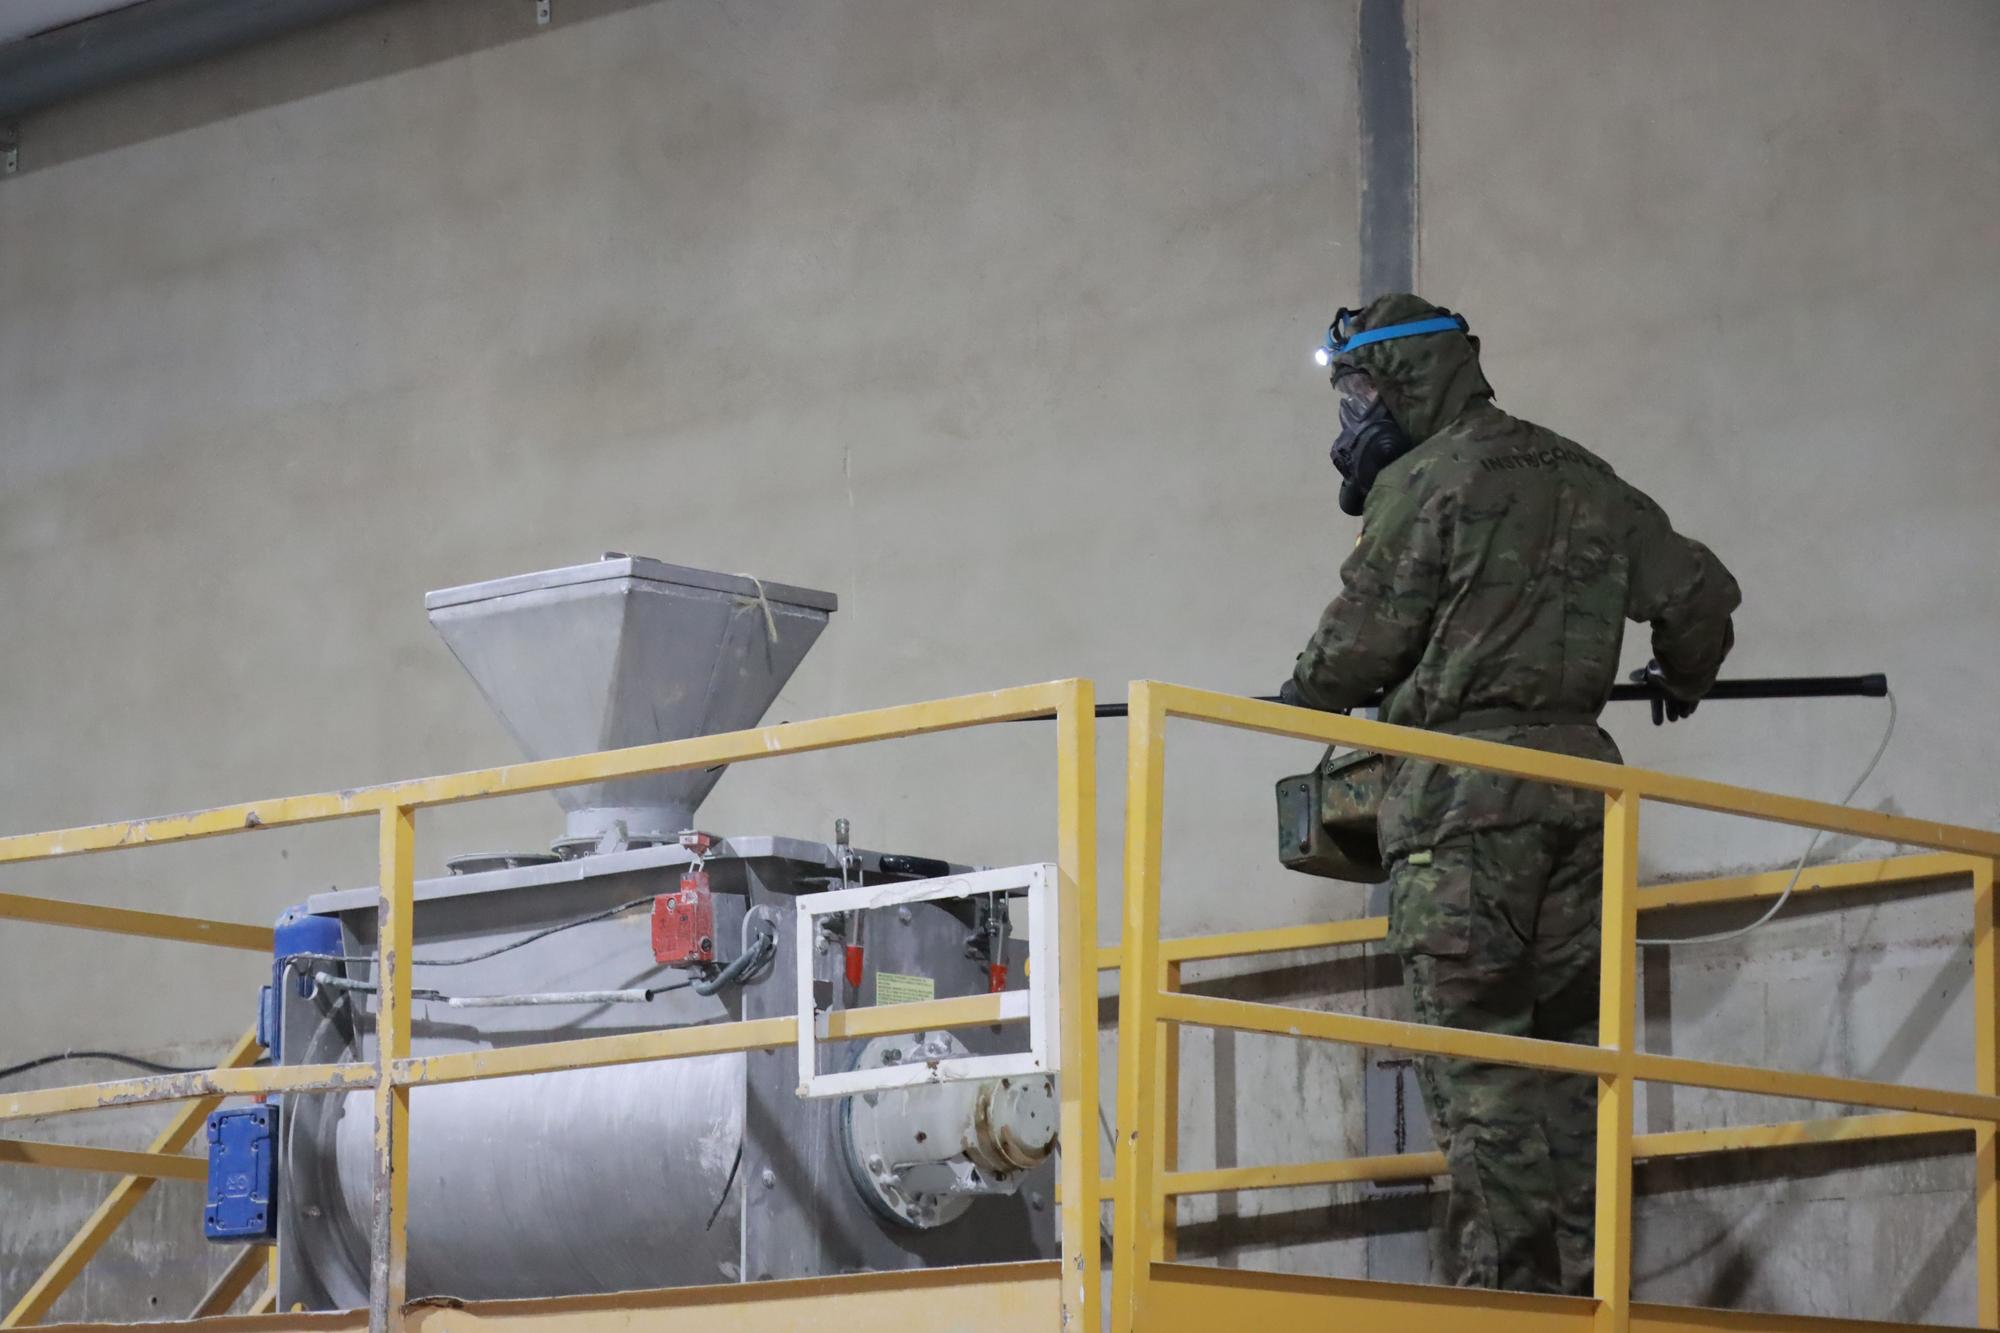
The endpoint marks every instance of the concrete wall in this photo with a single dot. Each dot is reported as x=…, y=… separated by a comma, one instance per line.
x=992, y=318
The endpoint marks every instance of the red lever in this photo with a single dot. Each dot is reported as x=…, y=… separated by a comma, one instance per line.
x=996, y=978
x=854, y=965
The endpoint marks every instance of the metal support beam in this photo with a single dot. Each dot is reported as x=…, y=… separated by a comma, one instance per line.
x=1986, y=1075
x=968, y=1298
x=1885, y=873
x=142, y=39
x=125, y=921
x=1386, y=98
x=1138, y=1161
x=223, y=1081
x=78, y=1157
x=498, y=1062
x=1720, y=798
x=1645, y=1147
x=1187, y=1299
x=1890, y=872
x=1168, y=1122
x=732, y=747
x=1081, y=1280
x=1617, y=1019
x=235, y=1280
x=1600, y=1062
x=124, y=1197
x=388, y=1237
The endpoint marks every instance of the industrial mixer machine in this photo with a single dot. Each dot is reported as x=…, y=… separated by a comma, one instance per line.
x=677, y=1172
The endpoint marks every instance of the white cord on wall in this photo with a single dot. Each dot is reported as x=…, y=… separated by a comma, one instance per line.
x=1799, y=869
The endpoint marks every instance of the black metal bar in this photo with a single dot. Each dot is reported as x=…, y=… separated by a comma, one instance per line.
x=1775, y=687
x=1872, y=686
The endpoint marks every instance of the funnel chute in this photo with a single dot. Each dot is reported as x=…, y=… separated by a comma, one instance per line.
x=628, y=651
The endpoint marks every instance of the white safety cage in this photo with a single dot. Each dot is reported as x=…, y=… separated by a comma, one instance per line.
x=1037, y=1002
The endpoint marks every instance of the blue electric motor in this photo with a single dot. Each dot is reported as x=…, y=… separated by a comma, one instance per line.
x=243, y=1141
x=297, y=933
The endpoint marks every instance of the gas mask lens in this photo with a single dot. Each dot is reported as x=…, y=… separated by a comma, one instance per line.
x=1360, y=407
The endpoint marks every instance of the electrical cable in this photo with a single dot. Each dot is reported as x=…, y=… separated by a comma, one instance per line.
x=727, y=1185
x=742, y=965
x=757, y=957
x=291, y=960
x=115, y=1057
x=760, y=933
x=1110, y=1147
x=526, y=940
x=633, y=995
x=1888, y=732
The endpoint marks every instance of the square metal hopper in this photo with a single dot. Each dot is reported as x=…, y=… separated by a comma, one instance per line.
x=627, y=651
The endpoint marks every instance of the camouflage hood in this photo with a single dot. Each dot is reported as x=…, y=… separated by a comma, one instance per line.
x=1427, y=381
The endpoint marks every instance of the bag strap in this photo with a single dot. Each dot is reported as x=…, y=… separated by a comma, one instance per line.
x=1493, y=719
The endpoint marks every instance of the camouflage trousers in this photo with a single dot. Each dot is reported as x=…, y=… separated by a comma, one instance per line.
x=1498, y=931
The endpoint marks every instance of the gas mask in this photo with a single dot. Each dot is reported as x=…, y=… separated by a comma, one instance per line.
x=1369, y=438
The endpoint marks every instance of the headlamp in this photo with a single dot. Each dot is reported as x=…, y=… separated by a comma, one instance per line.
x=1342, y=337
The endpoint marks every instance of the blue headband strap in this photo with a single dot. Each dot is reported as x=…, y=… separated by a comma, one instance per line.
x=1441, y=324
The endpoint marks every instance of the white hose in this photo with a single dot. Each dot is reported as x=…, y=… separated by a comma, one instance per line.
x=1799, y=869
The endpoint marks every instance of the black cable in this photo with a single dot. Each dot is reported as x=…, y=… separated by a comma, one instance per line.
x=543, y=934
x=115, y=1057
x=763, y=953
x=727, y=1185
x=525, y=940
x=739, y=967
x=422, y=993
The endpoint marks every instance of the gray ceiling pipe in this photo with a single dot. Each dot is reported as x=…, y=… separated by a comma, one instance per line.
x=67, y=62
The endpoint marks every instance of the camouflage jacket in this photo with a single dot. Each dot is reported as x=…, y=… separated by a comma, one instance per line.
x=1497, y=565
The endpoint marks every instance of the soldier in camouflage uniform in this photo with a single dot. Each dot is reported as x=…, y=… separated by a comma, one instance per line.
x=1497, y=565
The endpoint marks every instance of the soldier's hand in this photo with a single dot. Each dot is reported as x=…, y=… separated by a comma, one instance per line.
x=1666, y=706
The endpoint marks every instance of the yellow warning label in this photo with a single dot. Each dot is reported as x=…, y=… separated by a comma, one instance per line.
x=900, y=988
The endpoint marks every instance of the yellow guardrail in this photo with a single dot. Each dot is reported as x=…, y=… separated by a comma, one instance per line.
x=1147, y=1183
x=394, y=807
x=1894, y=873
x=1150, y=1005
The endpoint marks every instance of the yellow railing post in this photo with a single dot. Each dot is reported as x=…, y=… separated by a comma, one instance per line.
x=1167, y=1134
x=1076, y=859
x=1135, y=1219
x=1986, y=1070
x=1617, y=1030
x=388, y=1268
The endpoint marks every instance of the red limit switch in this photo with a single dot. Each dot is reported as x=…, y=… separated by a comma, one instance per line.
x=684, y=923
